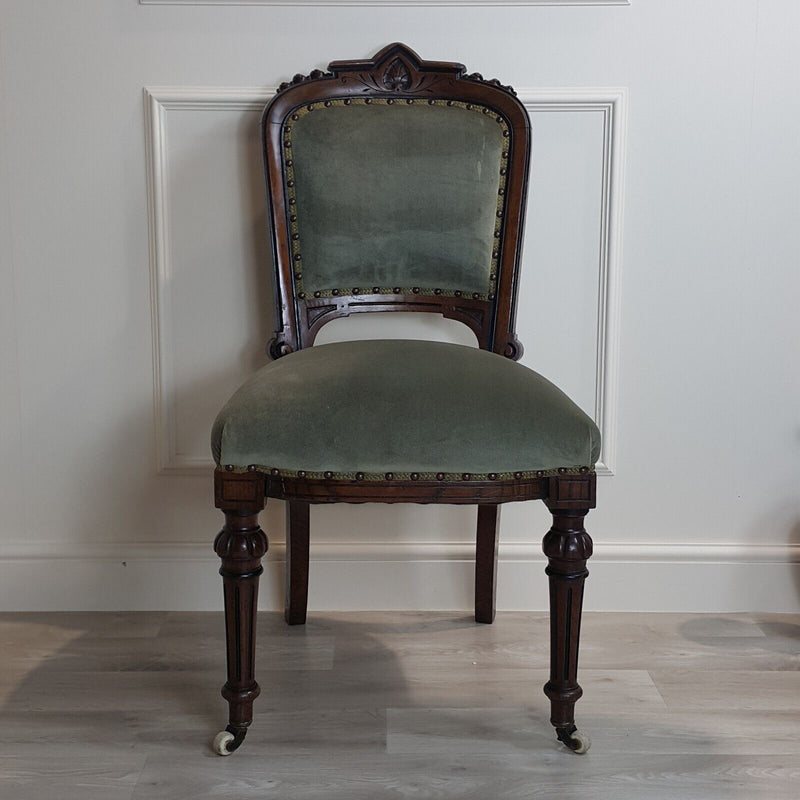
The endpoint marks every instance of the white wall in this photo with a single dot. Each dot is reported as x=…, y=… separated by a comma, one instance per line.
x=136, y=293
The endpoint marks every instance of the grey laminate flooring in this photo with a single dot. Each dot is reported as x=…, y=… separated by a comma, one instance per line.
x=399, y=705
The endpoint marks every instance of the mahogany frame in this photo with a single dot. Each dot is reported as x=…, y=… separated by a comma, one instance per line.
x=396, y=72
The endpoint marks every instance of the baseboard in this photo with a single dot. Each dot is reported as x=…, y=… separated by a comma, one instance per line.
x=414, y=576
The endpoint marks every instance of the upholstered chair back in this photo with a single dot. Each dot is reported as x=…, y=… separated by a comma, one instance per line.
x=396, y=184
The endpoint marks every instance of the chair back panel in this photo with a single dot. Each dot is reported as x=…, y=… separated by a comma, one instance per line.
x=396, y=195
x=396, y=184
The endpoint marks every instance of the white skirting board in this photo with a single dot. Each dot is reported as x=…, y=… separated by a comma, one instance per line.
x=410, y=576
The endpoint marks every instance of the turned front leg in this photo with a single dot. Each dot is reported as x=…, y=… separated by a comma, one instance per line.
x=241, y=545
x=567, y=546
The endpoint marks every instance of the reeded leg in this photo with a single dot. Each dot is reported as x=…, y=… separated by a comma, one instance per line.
x=486, y=562
x=297, y=541
x=241, y=545
x=567, y=546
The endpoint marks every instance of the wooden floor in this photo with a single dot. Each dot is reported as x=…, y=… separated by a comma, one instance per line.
x=399, y=705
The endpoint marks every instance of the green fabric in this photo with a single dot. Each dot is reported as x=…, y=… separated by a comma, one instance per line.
x=395, y=195
x=402, y=406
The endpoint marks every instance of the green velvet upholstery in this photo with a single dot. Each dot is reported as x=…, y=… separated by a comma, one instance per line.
x=395, y=195
x=402, y=406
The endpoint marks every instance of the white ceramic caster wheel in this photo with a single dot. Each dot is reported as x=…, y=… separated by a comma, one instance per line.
x=579, y=742
x=221, y=742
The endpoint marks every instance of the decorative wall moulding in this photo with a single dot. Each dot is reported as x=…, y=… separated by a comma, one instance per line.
x=384, y=2
x=610, y=102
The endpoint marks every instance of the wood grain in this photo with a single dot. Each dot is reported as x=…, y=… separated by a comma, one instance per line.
x=370, y=705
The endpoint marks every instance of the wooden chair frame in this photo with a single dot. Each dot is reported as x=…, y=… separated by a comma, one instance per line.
x=397, y=74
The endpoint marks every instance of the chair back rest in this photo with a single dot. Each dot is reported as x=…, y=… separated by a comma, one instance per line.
x=396, y=184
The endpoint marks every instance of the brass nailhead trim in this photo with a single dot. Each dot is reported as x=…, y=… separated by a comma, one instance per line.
x=389, y=476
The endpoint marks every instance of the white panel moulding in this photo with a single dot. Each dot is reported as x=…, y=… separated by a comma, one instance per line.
x=384, y=2
x=610, y=102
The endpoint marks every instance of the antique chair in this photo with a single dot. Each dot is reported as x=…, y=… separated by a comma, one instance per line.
x=398, y=184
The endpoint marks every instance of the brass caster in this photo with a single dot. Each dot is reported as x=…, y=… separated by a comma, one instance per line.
x=225, y=742
x=576, y=740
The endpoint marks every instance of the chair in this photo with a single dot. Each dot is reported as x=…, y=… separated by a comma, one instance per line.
x=398, y=184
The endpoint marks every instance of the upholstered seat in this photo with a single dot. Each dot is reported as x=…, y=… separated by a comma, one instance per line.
x=429, y=408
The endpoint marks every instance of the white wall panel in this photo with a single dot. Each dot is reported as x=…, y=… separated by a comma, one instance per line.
x=683, y=346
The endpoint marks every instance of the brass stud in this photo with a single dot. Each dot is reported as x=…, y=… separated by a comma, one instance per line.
x=505, y=132
x=501, y=191
x=376, y=290
x=491, y=296
x=356, y=290
x=415, y=476
x=298, y=275
x=584, y=470
x=500, y=213
x=389, y=476
x=437, y=291
x=469, y=106
x=440, y=476
x=301, y=473
x=499, y=119
x=396, y=290
x=229, y=467
x=290, y=183
x=457, y=293
x=475, y=295
x=335, y=292
x=410, y=101
x=318, y=293
x=301, y=295
x=492, y=476
x=295, y=236
x=310, y=107
x=562, y=470
x=517, y=476
x=450, y=102
x=503, y=170
x=293, y=218
x=540, y=473
x=327, y=104
x=274, y=471
x=289, y=162
x=415, y=290
x=251, y=467
x=466, y=476
x=292, y=201
x=368, y=100
x=328, y=474
x=347, y=101
x=431, y=102
x=389, y=102
x=298, y=257
x=295, y=116
x=485, y=110
x=287, y=129
x=359, y=476
x=497, y=234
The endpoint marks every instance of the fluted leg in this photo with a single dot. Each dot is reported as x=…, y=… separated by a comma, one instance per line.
x=241, y=545
x=297, y=543
x=486, y=562
x=567, y=546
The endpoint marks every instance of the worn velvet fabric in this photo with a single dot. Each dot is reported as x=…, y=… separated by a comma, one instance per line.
x=396, y=195
x=402, y=406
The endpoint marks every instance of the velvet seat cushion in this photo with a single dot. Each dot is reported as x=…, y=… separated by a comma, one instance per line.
x=401, y=407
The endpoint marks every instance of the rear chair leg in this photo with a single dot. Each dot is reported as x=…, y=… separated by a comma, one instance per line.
x=567, y=546
x=486, y=563
x=297, y=542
